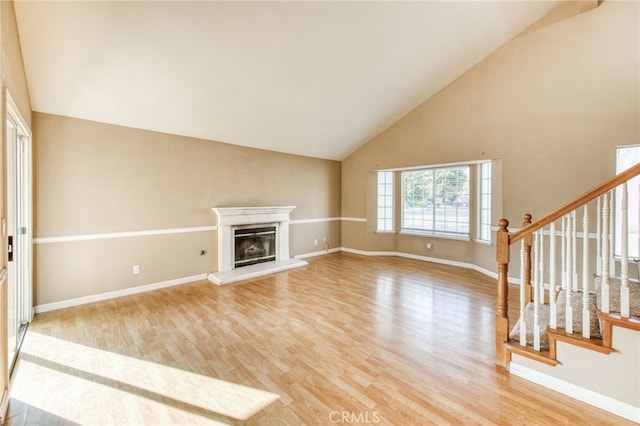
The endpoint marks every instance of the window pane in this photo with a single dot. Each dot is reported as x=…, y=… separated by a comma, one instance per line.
x=485, y=186
x=485, y=232
x=486, y=170
x=484, y=225
x=436, y=200
x=486, y=201
x=485, y=216
x=385, y=201
x=388, y=224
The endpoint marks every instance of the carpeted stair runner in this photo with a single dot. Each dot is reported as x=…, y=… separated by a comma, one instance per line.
x=614, y=296
x=544, y=315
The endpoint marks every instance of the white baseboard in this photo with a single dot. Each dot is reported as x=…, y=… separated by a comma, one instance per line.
x=369, y=253
x=118, y=293
x=318, y=253
x=587, y=396
x=512, y=280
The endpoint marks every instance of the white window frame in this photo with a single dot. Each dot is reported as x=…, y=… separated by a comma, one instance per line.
x=435, y=230
x=484, y=197
x=385, y=207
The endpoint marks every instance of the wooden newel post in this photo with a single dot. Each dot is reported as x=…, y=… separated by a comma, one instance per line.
x=502, y=312
x=527, y=260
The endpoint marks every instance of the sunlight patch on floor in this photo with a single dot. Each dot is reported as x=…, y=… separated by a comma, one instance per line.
x=91, y=386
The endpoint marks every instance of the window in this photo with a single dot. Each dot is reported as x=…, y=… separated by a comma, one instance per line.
x=627, y=156
x=385, y=202
x=484, y=202
x=436, y=201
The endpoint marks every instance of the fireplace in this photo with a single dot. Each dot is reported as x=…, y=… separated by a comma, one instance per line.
x=252, y=241
x=254, y=245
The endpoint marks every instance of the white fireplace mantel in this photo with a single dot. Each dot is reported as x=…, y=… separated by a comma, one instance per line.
x=234, y=217
x=230, y=216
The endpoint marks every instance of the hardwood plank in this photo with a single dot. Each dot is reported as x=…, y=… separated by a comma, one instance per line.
x=397, y=340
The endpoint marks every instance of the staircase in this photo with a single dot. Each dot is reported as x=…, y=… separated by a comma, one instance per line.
x=574, y=281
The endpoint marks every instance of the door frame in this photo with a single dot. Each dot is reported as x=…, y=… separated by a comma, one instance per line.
x=22, y=242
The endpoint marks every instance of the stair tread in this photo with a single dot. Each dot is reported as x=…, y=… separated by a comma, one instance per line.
x=614, y=295
x=593, y=343
x=544, y=318
x=528, y=352
x=632, y=322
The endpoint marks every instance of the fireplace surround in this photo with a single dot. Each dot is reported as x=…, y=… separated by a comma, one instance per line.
x=234, y=219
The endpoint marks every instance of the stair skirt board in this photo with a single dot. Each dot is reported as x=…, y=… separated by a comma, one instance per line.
x=544, y=315
x=614, y=296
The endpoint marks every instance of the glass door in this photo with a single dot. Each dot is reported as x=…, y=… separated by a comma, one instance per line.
x=19, y=248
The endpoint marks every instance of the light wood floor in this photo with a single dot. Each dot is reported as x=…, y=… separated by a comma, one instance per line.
x=347, y=339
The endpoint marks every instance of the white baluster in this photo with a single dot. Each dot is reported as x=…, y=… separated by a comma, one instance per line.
x=574, y=244
x=563, y=255
x=604, y=277
x=541, y=266
x=536, y=292
x=624, y=256
x=568, y=302
x=523, y=298
x=598, y=238
x=586, y=317
x=612, y=224
x=553, y=319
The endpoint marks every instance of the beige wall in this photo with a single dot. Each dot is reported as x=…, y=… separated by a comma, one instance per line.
x=93, y=178
x=552, y=105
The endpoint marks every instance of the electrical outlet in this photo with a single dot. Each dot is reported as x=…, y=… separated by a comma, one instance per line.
x=429, y=246
x=136, y=269
x=315, y=242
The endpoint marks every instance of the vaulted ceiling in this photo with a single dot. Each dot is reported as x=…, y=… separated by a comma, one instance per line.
x=312, y=78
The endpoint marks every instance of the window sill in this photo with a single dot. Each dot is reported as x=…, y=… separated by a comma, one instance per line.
x=434, y=235
x=386, y=232
x=483, y=242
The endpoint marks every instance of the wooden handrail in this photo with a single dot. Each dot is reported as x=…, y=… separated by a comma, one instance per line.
x=580, y=201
